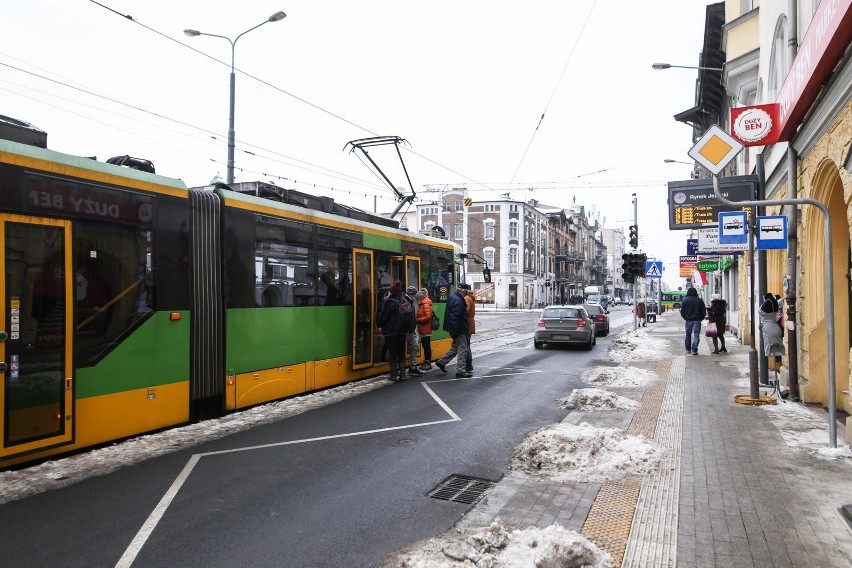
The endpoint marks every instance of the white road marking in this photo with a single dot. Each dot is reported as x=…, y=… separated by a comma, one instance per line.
x=153, y=519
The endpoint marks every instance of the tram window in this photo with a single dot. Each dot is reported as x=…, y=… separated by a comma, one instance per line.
x=334, y=266
x=284, y=271
x=113, y=284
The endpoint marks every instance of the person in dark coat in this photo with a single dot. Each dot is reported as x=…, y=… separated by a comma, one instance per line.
x=693, y=311
x=456, y=324
x=716, y=316
x=389, y=324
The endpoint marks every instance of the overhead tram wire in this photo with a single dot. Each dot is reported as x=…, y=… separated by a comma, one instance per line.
x=555, y=88
x=274, y=87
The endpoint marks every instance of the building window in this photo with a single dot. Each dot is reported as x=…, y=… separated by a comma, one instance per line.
x=489, y=230
x=427, y=226
x=490, y=208
x=513, y=208
x=459, y=205
x=489, y=257
x=457, y=231
x=513, y=259
x=513, y=229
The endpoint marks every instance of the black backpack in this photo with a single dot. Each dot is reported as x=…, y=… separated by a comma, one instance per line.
x=406, y=314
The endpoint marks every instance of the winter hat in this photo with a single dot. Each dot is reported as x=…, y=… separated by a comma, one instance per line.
x=420, y=295
x=396, y=288
x=411, y=290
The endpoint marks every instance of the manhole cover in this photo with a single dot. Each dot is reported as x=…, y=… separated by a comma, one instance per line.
x=461, y=489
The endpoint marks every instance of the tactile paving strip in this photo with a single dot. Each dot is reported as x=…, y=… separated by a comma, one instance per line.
x=653, y=536
x=611, y=516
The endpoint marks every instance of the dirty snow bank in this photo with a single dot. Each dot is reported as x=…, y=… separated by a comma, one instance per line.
x=629, y=346
x=807, y=428
x=495, y=547
x=618, y=377
x=580, y=452
x=587, y=400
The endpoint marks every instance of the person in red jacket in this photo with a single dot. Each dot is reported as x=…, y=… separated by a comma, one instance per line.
x=424, y=326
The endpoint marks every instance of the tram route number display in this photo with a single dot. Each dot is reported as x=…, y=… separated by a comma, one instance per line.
x=693, y=203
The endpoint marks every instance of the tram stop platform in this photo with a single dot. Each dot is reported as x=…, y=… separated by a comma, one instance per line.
x=740, y=485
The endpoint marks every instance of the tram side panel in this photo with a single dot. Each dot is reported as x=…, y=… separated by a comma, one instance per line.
x=121, y=277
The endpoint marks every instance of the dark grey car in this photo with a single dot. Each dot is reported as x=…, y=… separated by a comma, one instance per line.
x=599, y=316
x=565, y=325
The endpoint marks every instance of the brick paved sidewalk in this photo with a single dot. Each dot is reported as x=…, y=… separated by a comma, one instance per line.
x=731, y=492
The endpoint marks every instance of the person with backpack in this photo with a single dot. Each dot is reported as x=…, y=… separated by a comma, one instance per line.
x=412, y=338
x=456, y=324
x=424, y=326
x=391, y=324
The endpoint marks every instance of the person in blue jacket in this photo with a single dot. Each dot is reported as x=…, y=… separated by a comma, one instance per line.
x=456, y=324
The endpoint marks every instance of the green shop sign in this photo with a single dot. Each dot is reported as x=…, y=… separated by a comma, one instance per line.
x=708, y=265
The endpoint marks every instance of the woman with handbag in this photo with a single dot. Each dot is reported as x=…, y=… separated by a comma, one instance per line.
x=716, y=315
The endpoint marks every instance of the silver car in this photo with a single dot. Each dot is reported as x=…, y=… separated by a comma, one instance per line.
x=566, y=325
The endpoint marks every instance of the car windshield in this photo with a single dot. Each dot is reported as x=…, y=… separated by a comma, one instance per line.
x=594, y=309
x=561, y=313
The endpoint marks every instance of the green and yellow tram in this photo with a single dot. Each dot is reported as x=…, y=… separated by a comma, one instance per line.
x=132, y=303
x=672, y=299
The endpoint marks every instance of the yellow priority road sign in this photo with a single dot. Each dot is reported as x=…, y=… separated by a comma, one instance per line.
x=715, y=149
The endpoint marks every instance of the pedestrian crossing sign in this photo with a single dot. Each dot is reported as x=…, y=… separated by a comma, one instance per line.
x=654, y=269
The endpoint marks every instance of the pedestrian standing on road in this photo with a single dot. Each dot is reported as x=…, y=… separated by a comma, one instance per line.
x=413, y=339
x=424, y=326
x=716, y=316
x=640, y=311
x=693, y=311
x=470, y=302
x=456, y=324
x=389, y=324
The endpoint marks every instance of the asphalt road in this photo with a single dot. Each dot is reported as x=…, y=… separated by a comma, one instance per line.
x=343, y=485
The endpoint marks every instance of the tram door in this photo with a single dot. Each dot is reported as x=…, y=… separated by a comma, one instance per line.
x=407, y=270
x=36, y=334
x=364, y=312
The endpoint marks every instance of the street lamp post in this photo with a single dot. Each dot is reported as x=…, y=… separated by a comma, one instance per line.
x=659, y=66
x=277, y=16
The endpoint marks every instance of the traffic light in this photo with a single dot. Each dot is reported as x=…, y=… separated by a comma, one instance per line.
x=486, y=274
x=634, y=236
x=638, y=264
x=626, y=262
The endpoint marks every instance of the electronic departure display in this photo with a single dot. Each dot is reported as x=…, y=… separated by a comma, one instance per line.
x=693, y=203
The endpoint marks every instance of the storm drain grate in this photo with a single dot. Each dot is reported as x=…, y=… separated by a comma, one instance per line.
x=461, y=489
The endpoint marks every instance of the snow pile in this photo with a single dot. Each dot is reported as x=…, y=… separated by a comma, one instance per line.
x=638, y=345
x=494, y=547
x=618, y=377
x=580, y=452
x=805, y=428
x=589, y=400
x=59, y=473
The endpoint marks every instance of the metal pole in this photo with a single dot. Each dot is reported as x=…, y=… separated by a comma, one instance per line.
x=762, y=359
x=636, y=278
x=829, y=282
x=231, y=134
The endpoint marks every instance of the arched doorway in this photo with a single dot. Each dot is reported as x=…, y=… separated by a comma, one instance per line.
x=827, y=187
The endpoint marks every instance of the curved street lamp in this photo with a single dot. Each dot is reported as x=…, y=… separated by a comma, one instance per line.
x=670, y=161
x=277, y=16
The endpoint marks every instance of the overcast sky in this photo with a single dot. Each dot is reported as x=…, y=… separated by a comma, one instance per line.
x=464, y=82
